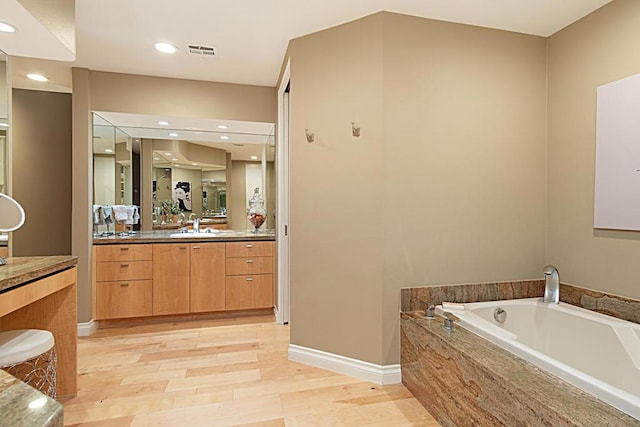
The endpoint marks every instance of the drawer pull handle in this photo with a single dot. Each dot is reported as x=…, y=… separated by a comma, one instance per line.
x=249, y=279
x=124, y=265
x=124, y=285
x=249, y=261
x=183, y=248
x=249, y=246
x=124, y=249
x=196, y=247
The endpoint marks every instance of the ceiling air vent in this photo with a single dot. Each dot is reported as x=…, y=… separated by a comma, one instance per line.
x=203, y=51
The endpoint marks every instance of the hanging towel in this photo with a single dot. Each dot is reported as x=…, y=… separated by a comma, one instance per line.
x=131, y=214
x=119, y=212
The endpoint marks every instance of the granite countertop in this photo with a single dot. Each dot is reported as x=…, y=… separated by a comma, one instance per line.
x=21, y=270
x=24, y=406
x=163, y=236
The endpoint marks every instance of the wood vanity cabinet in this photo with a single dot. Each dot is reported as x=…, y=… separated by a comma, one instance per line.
x=123, y=281
x=171, y=271
x=249, y=275
x=207, y=277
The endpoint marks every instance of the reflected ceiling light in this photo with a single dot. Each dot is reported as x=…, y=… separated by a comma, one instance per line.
x=165, y=47
x=6, y=28
x=108, y=150
x=194, y=164
x=223, y=127
x=254, y=157
x=156, y=158
x=174, y=160
x=167, y=154
x=4, y=124
x=238, y=145
x=224, y=137
x=37, y=77
x=163, y=123
x=173, y=134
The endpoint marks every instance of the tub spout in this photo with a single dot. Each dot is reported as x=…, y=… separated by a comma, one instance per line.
x=551, y=284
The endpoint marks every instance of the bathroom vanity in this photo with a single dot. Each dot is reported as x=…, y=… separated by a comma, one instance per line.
x=154, y=274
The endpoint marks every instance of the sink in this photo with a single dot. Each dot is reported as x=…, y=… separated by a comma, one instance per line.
x=211, y=233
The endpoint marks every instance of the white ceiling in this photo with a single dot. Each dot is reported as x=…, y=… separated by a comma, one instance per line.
x=252, y=35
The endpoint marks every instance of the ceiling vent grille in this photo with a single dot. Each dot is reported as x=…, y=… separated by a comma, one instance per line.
x=203, y=51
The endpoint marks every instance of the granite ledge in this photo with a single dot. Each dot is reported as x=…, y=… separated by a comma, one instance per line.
x=15, y=397
x=463, y=379
x=22, y=270
x=165, y=237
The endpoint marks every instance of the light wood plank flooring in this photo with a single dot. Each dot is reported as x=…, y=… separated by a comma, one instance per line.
x=222, y=373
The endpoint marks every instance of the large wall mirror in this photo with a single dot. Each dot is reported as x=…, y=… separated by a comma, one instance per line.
x=205, y=169
x=4, y=130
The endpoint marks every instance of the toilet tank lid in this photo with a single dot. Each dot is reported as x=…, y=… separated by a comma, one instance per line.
x=19, y=345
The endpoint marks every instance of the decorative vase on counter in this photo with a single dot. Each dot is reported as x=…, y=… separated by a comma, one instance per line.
x=256, y=213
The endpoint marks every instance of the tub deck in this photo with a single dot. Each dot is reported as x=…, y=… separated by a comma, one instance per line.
x=463, y=379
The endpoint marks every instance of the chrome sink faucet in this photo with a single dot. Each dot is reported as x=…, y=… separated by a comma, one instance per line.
x=551, y=284
x=196, y=225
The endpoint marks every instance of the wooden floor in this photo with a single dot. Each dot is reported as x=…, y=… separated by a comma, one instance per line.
x=222, y=373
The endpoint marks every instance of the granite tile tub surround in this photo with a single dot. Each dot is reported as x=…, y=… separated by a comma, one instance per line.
x=465, y=380
x=418, y=298
x=24, y=406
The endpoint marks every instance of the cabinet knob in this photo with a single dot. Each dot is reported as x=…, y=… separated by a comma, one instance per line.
x=249, y=261
x=196, y=247
x=249, y=279
x=249, y=246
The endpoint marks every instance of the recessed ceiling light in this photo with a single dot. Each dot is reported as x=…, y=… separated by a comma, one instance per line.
x=173, y=134
x=163, y=123
x=6, y=28
x=174, y=160
x=167, y=154
x=175, y=164
x=223, y=127
x=37, y=77
x=165, y=47
x=108, y=150
x=194, y=164
x=224, y=137
x=156, y=158
x=4, y=125
x=254, y=157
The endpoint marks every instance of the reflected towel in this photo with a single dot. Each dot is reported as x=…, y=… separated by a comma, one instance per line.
x=132, y=215
x=98, y=215
x=108, y=214
x=119, y=212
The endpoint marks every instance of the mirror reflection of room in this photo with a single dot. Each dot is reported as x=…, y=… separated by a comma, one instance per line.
x=204, y=169
x=4, y=127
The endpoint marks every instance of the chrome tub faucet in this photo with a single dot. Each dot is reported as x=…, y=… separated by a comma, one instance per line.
x=551, y=284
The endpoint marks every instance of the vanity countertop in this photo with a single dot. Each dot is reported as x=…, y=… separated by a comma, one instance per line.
x=165, y=237
x=22, y=270
x=24, y=406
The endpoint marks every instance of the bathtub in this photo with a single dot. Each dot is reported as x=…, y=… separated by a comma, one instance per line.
x=598, y=354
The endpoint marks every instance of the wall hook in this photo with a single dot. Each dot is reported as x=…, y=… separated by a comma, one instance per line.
x=310, y=136
x=355, y=130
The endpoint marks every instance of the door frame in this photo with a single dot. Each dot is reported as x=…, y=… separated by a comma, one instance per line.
x=282, y=221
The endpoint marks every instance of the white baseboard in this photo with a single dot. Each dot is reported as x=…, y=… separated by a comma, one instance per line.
x=87, y=328
x=379, y=374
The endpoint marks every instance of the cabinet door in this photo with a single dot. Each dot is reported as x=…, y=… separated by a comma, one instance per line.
x=121, y=299
x=171, y=278
x=207, y=277
x=246, y=292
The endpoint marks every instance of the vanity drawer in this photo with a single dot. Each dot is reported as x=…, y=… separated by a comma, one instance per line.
x=123, y=253
x=117, y=300
x=251, y=265
x=124, y=270
x=250, y=291
x=249, y=249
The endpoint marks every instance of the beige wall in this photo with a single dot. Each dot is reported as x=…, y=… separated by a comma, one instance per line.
x=100, y=91
x=598, y=49
x=336, y=219
x=453, y=137
x=42, y=171
x=236, y=202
